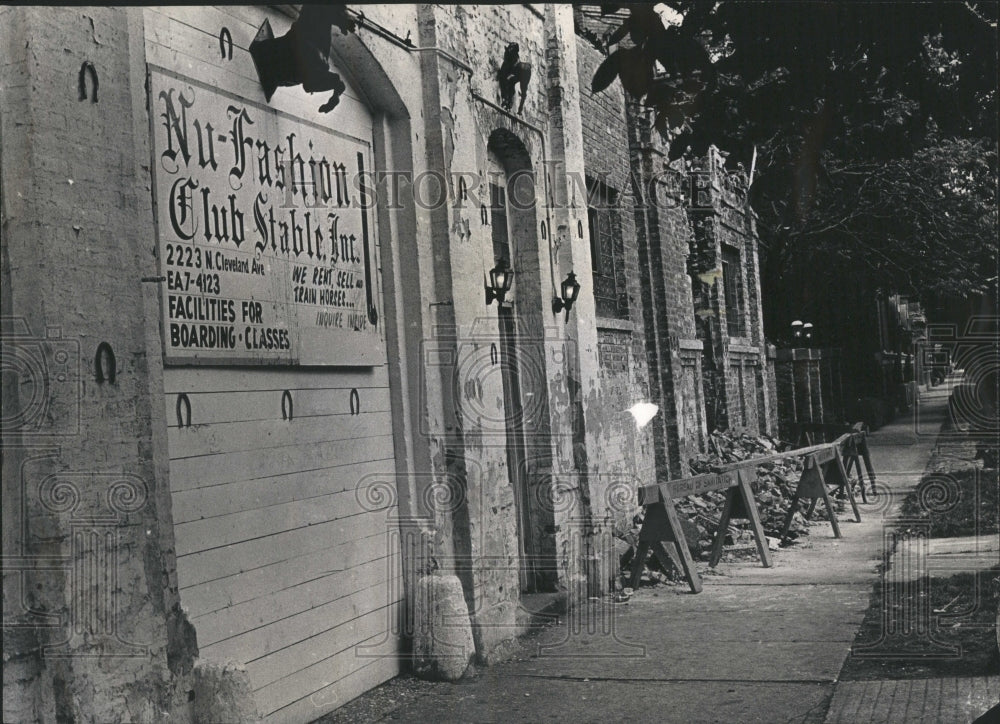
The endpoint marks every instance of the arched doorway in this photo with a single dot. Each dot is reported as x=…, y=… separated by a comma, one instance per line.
x=512, y=193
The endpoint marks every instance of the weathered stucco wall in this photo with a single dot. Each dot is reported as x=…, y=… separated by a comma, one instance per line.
x=93, y=533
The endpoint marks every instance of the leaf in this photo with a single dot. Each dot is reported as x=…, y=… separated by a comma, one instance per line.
x=620, y=32
x=635, y=68
x=606, y=73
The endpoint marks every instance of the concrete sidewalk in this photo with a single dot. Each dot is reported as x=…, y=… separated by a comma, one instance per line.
x=757, y=645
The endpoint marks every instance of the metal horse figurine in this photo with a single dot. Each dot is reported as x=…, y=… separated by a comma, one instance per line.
x=302, y=55
x=512, y=73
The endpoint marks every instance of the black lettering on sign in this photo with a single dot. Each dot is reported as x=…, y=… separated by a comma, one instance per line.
x=286, y=405
x=369, y=285
x=355, y=402
x=249, y=199
x=494, y=353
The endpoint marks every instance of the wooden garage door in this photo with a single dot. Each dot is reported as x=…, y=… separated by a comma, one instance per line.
x=281, y=567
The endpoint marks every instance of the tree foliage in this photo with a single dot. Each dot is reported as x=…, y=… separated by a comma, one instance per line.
x=873, y=126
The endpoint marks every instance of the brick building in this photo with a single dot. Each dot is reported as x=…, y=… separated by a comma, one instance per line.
x=256, y=394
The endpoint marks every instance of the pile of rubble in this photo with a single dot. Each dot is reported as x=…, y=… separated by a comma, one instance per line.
x=773, y=488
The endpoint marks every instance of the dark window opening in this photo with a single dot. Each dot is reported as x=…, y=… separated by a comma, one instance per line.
x=607, y=251
x=732, y=279
x=498, y=223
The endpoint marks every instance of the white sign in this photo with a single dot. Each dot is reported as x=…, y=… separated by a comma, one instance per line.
x=266, y=233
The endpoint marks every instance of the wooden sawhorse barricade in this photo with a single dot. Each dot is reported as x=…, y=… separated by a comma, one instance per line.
x=854, y=447
x=823, y=472
x=855, y=450
x=661, y=529
x=823, y=467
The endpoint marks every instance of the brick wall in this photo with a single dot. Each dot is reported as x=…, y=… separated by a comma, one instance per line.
x=736, y=379
x=673, y=346
x=624, y=371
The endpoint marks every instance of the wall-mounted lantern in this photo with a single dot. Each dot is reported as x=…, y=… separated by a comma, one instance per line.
x=570, y=290
x=499, y=282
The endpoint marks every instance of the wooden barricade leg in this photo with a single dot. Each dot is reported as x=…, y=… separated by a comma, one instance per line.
x=812, y=485
x=868, y=465
x=793, y=506
x=720, y=533
x=846, y=483
x=854, y=461
x=826, y=500
x=747, y=507
x=675, y=525
x=662, y=532
x=740, y=504
x=638, y=562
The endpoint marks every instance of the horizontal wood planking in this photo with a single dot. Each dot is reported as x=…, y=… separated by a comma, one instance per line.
x=240, y=586
x=338, y=693
x=280, y=563
x=249, y=615
x=226, y=530
x=274, y=433
x=245, y=495
x=227, y=561
x=222, y=468
x=279, y=649
x=322, y=668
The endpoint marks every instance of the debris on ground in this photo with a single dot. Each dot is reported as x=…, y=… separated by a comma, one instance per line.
x=773, y=488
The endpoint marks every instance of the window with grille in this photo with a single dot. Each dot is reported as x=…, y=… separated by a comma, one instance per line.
x=498, y=223
x=732, y=279
x=607, y=251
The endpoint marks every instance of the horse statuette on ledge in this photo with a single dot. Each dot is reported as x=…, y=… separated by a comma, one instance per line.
x=512, y=73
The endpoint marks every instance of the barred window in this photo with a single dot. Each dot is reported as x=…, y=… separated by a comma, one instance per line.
x=607, y=251
x=732, y=279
